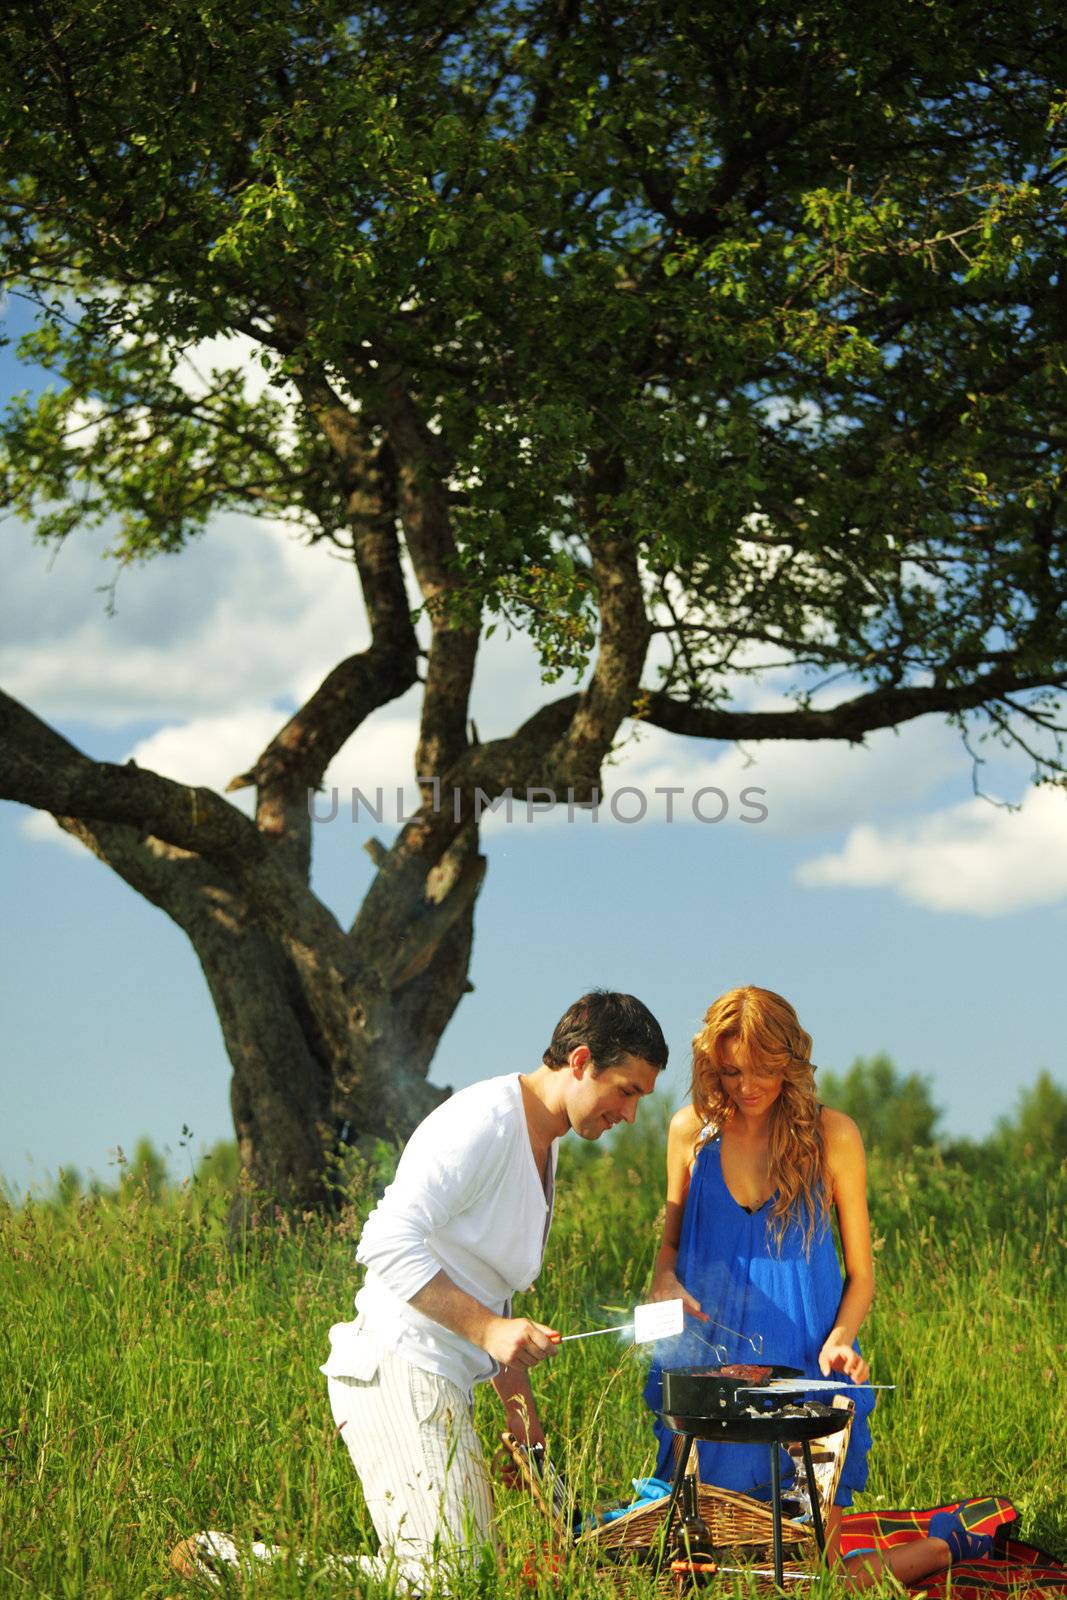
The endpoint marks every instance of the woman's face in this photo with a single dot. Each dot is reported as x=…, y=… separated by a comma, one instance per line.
x=746, y=1081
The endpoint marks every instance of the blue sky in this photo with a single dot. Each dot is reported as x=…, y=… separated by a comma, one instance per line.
x=896, y=911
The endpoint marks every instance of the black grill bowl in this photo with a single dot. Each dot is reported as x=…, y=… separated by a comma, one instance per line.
x=701, y=1392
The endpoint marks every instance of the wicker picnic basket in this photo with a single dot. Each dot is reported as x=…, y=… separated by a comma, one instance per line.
x=735, y=1522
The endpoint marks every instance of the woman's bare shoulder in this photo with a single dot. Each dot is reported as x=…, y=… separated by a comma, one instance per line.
x=686, y=1124
x=842, y=1137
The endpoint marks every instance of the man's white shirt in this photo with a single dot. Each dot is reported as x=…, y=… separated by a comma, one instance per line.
x=467, y=1199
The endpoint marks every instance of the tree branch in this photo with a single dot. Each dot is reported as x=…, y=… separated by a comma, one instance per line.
x=425, y=513
x=852, y=719
x=40, y=768
x=625, y=631
x=297, y=757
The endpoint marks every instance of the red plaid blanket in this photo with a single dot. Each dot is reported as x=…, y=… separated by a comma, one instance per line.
x=1015, y=1568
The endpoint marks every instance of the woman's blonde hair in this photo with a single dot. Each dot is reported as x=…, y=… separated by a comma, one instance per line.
x=767, y=1028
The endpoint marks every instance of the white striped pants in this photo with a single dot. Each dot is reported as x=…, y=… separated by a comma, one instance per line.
x=412, y=1441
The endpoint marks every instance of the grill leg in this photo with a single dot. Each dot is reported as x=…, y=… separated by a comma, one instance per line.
x=813, y=1496
x=687, y=1445
x=776, y=1511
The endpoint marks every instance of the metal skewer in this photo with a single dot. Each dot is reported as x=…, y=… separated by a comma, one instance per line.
x=753, y=1340
x=658, y=1319
x=593, y=1333
x=768, y=1572
x=802, y=1385
x=764, y=1572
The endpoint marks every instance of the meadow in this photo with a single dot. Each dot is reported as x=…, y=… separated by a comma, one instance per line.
x=158, y=1372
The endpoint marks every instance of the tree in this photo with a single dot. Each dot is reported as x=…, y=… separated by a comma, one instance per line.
x=220, y=1166
x=696, y=341
x=1038, y=1128
x=895, y=1114
x=146, y=1171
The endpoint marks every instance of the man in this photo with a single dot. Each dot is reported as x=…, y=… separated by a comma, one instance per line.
x=459, y=1230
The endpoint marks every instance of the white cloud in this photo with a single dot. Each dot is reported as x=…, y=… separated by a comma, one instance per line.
x=381, y=755
x=973, y=857
x=809, y=786
x=226, y=352
x=42, y=828
x=210, y=750
x=248, y=615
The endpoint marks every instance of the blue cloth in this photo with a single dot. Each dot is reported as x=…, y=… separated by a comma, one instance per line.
x=647, y=1491
x=729, y=1261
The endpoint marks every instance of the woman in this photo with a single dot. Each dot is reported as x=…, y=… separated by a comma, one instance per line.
x=755, y=1168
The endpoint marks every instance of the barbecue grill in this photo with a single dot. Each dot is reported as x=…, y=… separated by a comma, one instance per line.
x=738, y=1405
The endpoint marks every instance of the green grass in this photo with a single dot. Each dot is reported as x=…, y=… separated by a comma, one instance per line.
x=157, y=1377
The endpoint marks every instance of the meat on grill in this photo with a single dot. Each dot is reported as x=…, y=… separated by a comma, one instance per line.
x=738, y=1369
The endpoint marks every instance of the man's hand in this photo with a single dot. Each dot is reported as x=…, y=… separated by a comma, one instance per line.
x=506, y=1468
x=524, y=1428
x=515, y=1342
x=519, y=1341
x=512, y=1384
x=504, y=1463
x=836, y=1356
x=665, y=1286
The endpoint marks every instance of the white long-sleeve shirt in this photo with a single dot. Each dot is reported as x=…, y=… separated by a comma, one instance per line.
x=467, y=1199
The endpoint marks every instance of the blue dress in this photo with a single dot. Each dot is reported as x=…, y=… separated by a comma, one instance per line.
x=728, y=1260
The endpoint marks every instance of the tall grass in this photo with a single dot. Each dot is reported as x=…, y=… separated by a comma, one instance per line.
x=158, y=1375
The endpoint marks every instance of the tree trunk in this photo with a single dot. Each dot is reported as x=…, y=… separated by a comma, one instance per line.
x=303, y=1089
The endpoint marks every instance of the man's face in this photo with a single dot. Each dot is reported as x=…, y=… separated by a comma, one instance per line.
x=598, y=1100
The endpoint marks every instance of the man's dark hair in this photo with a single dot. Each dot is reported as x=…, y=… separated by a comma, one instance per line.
x=611, y=1026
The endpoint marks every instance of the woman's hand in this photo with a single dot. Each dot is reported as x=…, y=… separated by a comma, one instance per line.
x=836, y=1356
x=681, y=1137
x=666, y=1286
